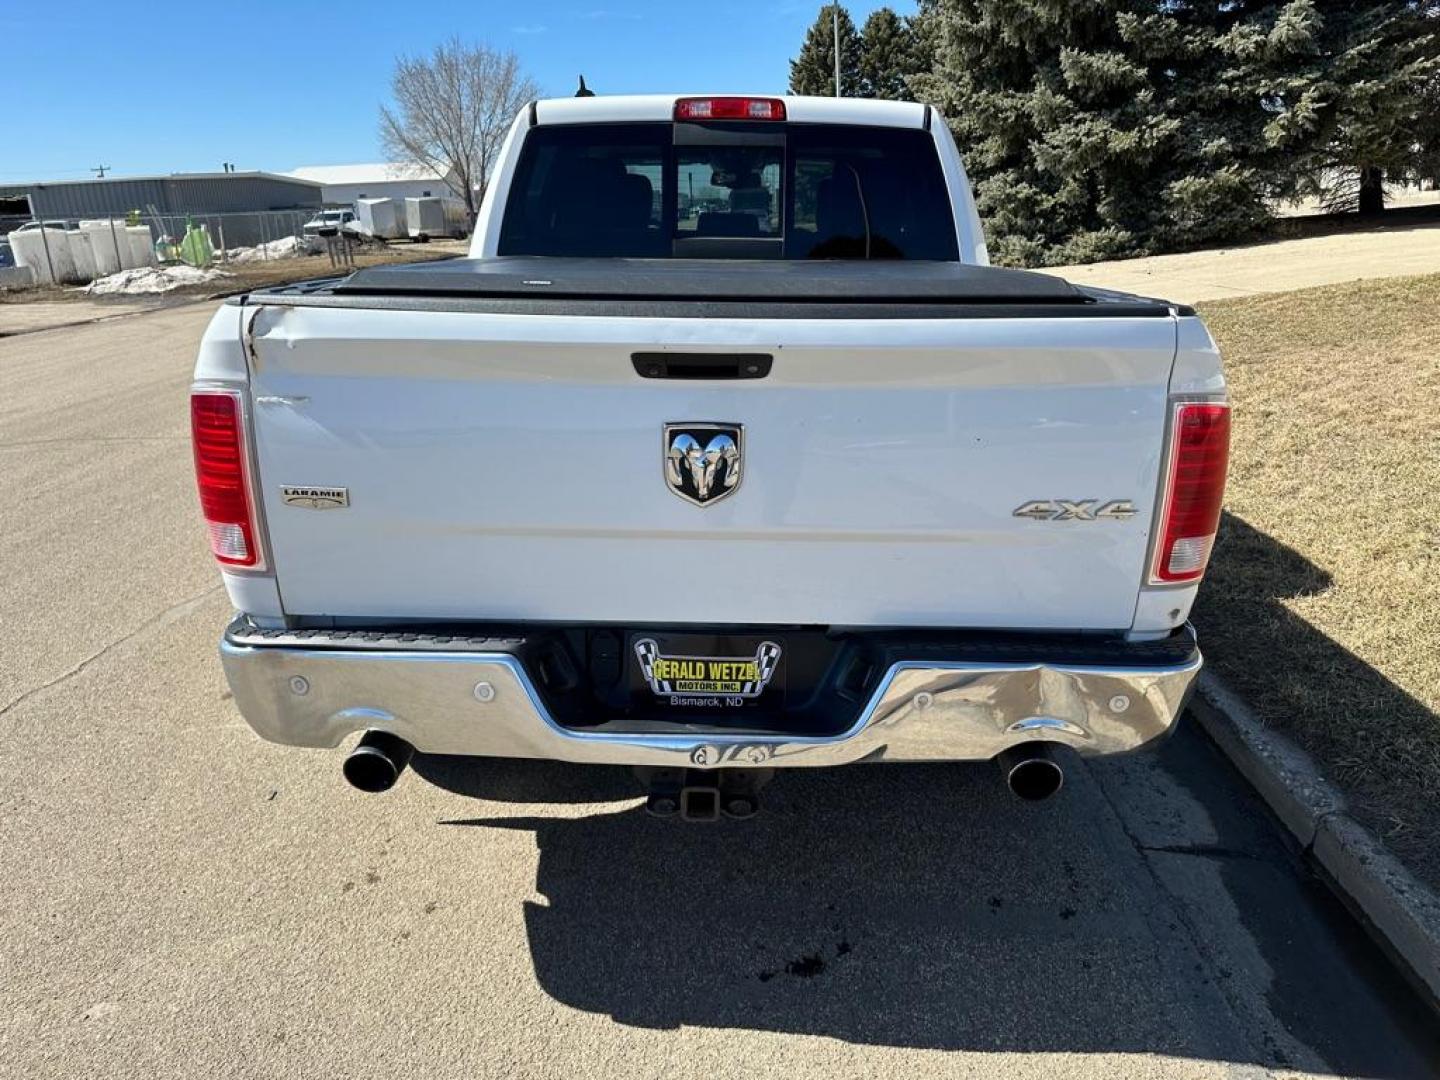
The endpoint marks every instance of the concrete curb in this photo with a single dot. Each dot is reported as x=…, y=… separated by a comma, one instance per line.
x=1402, y=914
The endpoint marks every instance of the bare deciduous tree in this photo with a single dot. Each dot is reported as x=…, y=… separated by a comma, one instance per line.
x=451, y=111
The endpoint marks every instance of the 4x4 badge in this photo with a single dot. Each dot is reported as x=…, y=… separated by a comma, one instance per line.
x=1075, y=510
x=703, y=461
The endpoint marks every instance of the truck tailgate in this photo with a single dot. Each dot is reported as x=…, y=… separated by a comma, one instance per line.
x=511, y=467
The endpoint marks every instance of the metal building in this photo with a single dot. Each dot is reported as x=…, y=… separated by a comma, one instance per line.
x=245, y=195
x=342, y=184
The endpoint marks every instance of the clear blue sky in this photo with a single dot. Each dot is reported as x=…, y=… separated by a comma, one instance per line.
x=168, y=86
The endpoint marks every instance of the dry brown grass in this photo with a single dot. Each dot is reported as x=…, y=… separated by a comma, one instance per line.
x=256, y=275
x=1322, y=607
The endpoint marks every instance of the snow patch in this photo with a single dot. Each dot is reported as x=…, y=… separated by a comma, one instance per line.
x=287, y=247
x=152, y=279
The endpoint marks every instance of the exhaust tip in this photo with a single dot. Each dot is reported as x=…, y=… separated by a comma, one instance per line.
x=377, y=762
x=1031, y=772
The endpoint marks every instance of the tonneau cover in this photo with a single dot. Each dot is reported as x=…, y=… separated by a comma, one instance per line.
x=769, y=280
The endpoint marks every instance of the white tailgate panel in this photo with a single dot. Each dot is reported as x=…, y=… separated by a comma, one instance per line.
x=509, y=467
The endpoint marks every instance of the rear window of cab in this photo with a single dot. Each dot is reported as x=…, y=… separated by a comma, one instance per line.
x=729, y=190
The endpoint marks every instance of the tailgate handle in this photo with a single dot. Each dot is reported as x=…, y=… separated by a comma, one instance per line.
x=681, y=365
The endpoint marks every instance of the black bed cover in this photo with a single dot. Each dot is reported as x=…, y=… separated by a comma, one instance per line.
x=767, y=288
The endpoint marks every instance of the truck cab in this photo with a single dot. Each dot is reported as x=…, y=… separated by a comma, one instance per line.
x=826, y=148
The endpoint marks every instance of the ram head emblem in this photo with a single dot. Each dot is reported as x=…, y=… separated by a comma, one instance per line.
x=703, y=461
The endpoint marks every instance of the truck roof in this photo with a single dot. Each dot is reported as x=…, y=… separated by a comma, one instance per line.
x=621, y=108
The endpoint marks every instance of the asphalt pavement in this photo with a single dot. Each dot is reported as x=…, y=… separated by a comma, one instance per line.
x=179, y=898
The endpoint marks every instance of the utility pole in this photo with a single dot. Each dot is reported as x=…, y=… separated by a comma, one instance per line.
x=101, y=170
x=835, y=26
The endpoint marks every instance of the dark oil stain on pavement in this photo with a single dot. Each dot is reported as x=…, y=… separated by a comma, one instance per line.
x=807, y=966
x=924, y=907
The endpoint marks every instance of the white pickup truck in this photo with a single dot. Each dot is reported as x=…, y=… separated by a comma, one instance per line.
x=725, y=450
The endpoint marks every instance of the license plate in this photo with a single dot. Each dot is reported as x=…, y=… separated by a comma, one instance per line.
x=706, y=673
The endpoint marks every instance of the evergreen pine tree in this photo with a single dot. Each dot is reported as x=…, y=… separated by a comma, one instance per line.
x=813, y=71
x=924, y=28
x=1351, y=92
x=1103, y=129
x=887, y=56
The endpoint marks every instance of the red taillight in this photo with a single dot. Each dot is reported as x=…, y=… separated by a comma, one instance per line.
x=729, y=108
x=222, y=474
x=1190, y=512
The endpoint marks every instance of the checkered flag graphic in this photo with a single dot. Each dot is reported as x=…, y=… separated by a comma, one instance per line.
x=647, y=651
x=766, y=657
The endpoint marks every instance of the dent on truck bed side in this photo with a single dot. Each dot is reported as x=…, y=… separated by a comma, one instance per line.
x=222, y=357
x=1197, y=359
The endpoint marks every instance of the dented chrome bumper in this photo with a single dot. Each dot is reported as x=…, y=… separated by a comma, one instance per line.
x=317, y=689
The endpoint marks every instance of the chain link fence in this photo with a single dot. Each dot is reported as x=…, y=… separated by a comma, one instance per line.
x=234, y=232
x=246, y=236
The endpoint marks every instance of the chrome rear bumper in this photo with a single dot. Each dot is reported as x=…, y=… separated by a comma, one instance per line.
x=451, y=701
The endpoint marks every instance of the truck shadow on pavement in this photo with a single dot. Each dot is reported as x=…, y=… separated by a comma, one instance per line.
x=920, y=907
x=862, y=904
x=1317, y=691
x=1152, y=907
